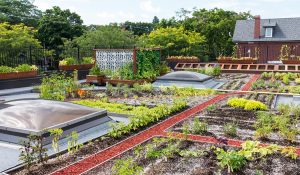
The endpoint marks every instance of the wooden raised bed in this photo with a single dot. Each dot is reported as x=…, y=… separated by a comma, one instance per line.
x=291, y=61
x=16, y=75
x=183, y=60
x=128, y=82
x=95, y=79
x=76, y=67
x=237, y=61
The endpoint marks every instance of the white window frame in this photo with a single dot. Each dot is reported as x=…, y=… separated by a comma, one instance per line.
x=270, y=34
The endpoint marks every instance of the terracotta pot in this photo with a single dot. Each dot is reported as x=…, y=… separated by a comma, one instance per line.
x=291, y=61
x=15, y=75
x=95, y=79
x=128, y=82
x=183, y=60
x=76, y=67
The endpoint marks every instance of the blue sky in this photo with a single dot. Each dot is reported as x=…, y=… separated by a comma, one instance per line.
x=106, y=11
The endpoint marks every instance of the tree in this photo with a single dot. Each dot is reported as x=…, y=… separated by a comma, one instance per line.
x=176, y=41
x=19, y=11
x=217, y=25
x=138, y=28
x=106, y=36
x=17, y=37
x=57, y=24
x=155, y=20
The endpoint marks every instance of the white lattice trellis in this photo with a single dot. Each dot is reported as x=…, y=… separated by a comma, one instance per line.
x=113, y=59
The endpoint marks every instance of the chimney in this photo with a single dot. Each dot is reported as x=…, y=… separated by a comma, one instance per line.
x=257, y=27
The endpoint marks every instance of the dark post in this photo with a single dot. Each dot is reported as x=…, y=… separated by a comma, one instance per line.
x=30, y=54
x=134, y=61
x=78, y=53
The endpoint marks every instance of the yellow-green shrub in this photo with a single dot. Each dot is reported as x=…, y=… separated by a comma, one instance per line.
x=246, y=104
x=297, y=80
x=255, y=105
x=237, y=102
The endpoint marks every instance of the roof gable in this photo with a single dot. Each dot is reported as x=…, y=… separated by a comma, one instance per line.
x=285, y=29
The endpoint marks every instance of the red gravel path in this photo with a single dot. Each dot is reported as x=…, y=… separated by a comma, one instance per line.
x=94, y=160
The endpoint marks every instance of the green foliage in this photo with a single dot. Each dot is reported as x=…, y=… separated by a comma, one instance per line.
x=105, y=37
x=211, y=107
x=231, y=160
x=148, y=64
x=176, y=40
x=286, y=80
x=23, y=68
x=126, y=71
x=185, y=130
x=16, y=37
x=246, y=104
x=33, y=150
x=289, y=152
x=57, y=24
x=230, y=129
x=19, y=11
x=140, y=116
x=186, y=91
x=20, y=68
x=73, y=145
x=297, y=80
x=284, y=109
x=96, y=71
x=212, y=71
x=6, y=69
x=263, y=125
x=199, y=127
x=58, y=87
x=215, y=25
x=138, y=28
x=126, y=167
x=56, y=133
x=88, y=60
x=164, y=68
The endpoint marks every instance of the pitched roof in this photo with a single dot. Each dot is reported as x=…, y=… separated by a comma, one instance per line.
x=284, y=29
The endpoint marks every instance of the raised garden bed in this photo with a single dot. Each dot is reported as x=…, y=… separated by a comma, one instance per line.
x=95, y=79
x=17, y=75
x=75, y=67
x=291, y=61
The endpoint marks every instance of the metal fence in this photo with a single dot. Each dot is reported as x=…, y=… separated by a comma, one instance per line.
x=44, y=58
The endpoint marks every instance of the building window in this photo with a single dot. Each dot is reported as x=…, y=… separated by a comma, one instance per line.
x=269, y=32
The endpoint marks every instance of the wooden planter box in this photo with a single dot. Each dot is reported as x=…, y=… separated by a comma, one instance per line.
x=16, y=75
x=128, y=82
x=95, y=79
x=291, y=61
x=237, y=61
x=76, y=67
x=183, y=60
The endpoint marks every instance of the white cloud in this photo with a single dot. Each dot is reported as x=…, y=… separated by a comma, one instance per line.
x=42, y=5
x=148, y=6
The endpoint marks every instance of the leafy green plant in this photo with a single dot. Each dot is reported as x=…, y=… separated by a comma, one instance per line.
x=6, y=69
x=263, y=125
x=231, y=160
x=27, y=155
x=199, y=127
x=23, y=68
x=126, y=167
x=185, y=130
x=56, y=133
x=58, y=87
x=289, y=152
x=164, y=68
x=88, y=60
x=96, y=71
x=230, y=129
x=284, y=109
x=73, y=145
x=285, y=79
x=68, y=61
x=211, y=107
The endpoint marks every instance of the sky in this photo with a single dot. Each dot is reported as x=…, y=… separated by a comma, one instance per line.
x=107, y=11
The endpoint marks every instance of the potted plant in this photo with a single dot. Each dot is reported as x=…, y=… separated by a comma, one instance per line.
x=96, y=75
x=233, y=60
x=21, y=71
x=70, y=64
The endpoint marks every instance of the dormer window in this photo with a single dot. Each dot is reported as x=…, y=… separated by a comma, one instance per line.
x=269, y=32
